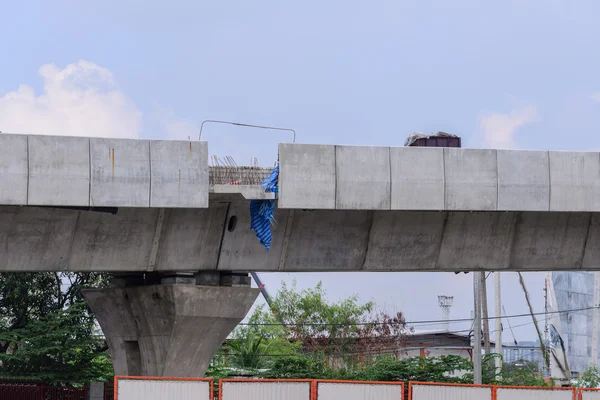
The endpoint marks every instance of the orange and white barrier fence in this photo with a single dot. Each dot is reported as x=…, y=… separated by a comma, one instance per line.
x=589, y=394
x=448, y=391
x=265, y=389
x=358, y=390
x=158, y=388
x=150, y=388
x=533, y=393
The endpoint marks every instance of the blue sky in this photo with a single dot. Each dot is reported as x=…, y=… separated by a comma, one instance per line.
x=510, y=74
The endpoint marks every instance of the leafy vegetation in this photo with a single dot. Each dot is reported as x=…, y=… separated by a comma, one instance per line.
x=47, y=331
x=589, y=379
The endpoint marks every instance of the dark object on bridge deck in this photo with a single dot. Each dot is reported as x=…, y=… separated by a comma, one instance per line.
x=438, y=139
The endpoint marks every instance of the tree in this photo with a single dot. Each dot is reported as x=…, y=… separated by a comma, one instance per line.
x=47, y=330
x=589, y=379
x=304, y=322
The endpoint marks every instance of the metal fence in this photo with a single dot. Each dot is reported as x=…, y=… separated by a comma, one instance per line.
x=159, y=388
x=265, y=389
x=443, y=391
x=589, y=394
x=145, y=388
x=28, y=392
x=358, y=390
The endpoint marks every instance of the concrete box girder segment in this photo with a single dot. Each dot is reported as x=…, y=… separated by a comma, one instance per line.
x=167, y=330
x=80, y=171
x=219, y=238
x=443, y=179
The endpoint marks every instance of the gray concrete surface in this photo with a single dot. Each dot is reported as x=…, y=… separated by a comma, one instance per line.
x=67, y=171
x=523, y=180
x=307, y=176
x=167, y=330
x=59, y=171
x=78, y=171
x=423, y=190
x=178, y=170
x=182, y=239
x=362, y=178
x=13, y=169
x=444, y=179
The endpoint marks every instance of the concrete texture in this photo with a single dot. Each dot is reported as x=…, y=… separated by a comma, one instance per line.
x=523, y=180
x=307, y=176
x=69, y=171
x=418, y=234
x=191, y=237
x=240, y=248
x=59, y=171
x=120, y=173
x=179, y=177
x=417, y=178
x=167, y=330
x=13, y=169
x=150, y=239
x=471, y=179
x=362, y=178
x=575, y=181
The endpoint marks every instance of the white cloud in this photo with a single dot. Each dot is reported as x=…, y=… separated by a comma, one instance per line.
x=82, y=99
x=497, y=130
x=596, y=97
x=180, y=129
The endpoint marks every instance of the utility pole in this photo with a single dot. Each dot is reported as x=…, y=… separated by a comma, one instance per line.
x=477, y=327
x=485, y=315
x=498, y=303
x=595, y=318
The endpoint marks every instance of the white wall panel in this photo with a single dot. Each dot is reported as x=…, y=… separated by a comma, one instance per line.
x=261, y=390
x=134, y=389
x=533, y=394
x=358, y=391
x=590, y=395
x=438, y=392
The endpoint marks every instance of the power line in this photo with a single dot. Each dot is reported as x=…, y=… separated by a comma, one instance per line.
x=380, y=351
x=415, y=322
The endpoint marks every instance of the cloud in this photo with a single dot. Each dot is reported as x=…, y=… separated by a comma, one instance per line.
x=497, y=130
x=179, y=129
x=596, y=97
x=82, y=99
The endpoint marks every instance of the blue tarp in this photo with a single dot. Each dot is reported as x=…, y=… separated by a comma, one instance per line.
x=262, y=212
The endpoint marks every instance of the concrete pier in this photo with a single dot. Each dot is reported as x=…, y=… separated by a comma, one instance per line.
x=167, y=329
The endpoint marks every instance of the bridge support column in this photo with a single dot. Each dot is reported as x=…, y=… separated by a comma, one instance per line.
x=172, y=328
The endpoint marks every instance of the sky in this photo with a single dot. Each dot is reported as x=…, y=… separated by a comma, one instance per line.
x=510, y=74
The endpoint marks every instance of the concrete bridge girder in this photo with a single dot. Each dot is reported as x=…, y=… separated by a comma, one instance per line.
x=220, y=238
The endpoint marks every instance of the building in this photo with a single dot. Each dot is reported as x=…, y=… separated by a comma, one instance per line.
x=524, y=351
x=575, y=291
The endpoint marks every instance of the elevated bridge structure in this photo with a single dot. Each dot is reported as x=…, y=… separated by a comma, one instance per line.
x=176, y=233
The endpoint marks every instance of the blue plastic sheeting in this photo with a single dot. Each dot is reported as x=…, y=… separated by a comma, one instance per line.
x=271, y=184
x=262, y=212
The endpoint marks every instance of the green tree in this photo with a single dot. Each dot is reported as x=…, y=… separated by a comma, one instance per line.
x=305, y=322
x=590, y=378
x=47, y=331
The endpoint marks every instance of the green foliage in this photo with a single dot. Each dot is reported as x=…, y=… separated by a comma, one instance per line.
x=310, y=315
x=265, y=326
x=47, y=331
x=590, y=378
x=248, y=352
x=384, y=368
x=518, y=373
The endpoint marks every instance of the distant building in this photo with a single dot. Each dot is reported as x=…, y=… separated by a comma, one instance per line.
x=575, y=290
x=524, y=351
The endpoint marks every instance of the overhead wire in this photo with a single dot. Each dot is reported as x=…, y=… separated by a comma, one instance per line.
x=419, y=322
